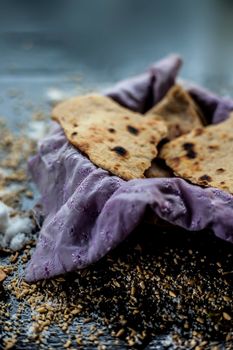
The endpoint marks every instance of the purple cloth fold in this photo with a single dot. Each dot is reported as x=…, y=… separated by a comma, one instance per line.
x=142, y=92
x=88, y=212
x=215, y=108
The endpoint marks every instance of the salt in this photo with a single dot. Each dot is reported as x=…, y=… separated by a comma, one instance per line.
x=14, y=231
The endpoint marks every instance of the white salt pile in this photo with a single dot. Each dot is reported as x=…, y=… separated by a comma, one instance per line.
x=14, y=231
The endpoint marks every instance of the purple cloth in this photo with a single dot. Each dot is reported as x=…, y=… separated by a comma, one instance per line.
x=88, y=212
x=215, y=108
x=142, y=92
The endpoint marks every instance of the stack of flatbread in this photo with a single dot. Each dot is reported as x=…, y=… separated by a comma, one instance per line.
x=170, y=140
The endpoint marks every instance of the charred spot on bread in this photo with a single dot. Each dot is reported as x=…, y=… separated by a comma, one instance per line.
x=189, y=148
x=220, y=170
x=120, y=151
x=205, y=178
x=213, y=147
x=199, y=131
x=132, y=130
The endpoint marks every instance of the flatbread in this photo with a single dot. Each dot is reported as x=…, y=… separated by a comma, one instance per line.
x=113, y=137
x=158, y=168
x=204, y=156
x=178, y=111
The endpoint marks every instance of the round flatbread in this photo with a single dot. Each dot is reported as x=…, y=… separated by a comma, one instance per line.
x=178, y=111
x=204, y=156
x=114, y=138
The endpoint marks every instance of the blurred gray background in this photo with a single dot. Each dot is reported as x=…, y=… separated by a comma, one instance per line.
x=51, y=43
